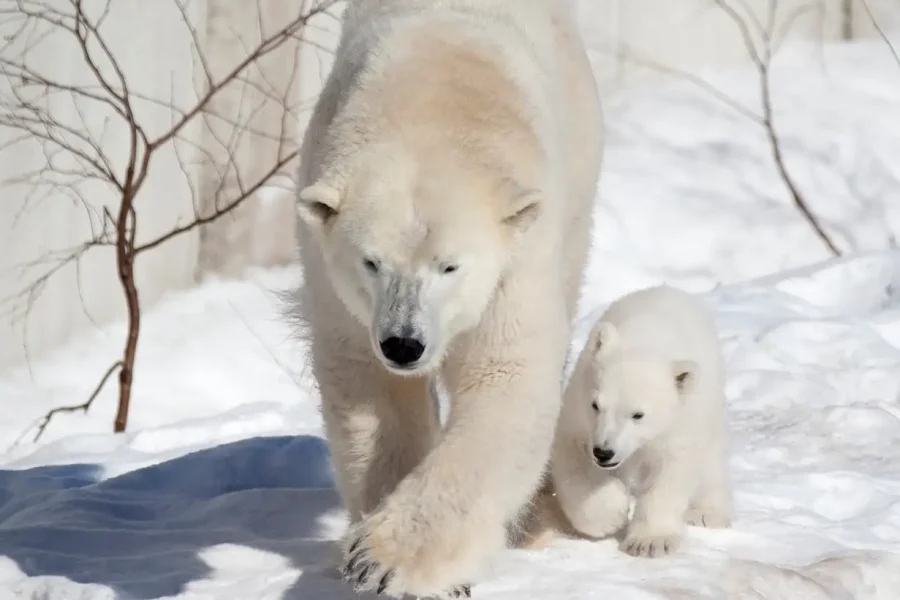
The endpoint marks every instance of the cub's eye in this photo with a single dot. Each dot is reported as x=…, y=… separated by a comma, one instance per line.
x=370, y=265
x=595, y=407
x=637, y=416
x=447, y=269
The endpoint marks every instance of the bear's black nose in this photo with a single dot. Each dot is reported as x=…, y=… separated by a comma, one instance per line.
x=402, y=351
x=603, y=456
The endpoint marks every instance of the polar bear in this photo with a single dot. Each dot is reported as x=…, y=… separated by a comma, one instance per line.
x=445, y=208
x=644, y=410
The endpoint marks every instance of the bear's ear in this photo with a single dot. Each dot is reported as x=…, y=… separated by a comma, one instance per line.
x=522, y=210
x=318, y=203
x=685, y=373
x=603, y=339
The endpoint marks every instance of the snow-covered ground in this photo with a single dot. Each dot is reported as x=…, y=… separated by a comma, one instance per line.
x=221, y=489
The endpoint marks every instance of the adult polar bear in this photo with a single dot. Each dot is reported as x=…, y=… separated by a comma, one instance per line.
x=447, y=182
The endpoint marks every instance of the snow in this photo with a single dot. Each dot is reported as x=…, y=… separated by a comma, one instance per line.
x=221, y=488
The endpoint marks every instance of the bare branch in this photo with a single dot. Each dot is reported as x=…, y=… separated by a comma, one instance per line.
x=628, y=54
x=762, y=59
x=881, y=32
x=201, y=56
x=74, y=154
x=220, y=210
x=268, y=45
x=744, y=29
x=82, y=30
x=84, y=406
x=781, y=33
x=783, y=172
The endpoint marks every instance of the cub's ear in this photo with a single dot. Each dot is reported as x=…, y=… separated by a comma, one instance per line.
x=318, y=203
x=603, y=340
x=522, y=210
x=685, y=373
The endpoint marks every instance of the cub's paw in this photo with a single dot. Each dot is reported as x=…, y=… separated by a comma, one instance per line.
x=648, y=544
x=711, y=518
x=611, y=510
x=604, y=512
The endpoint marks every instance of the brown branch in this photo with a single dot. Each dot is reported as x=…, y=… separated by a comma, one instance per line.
x=762, y=59
x=628, y=54
x=780, y=34
x=29, y=111
x=84, y=406
x=881, y=32
x=219, y=211
x=83, y=28
x=775, y=145
x=268, y=45
x=125, y=269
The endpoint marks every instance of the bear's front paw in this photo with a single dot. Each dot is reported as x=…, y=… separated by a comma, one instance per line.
x=644, y=542
x=610, y=510
x=392, y=556
x=604, y=512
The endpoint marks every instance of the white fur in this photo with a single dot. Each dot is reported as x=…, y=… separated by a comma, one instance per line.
x=655, y=353
x=460, y=133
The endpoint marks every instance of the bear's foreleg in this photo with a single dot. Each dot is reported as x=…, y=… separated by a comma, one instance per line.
x=451, y=512
x=657, y=526
x=712, y=505
x=379, y=427
x=596, y=503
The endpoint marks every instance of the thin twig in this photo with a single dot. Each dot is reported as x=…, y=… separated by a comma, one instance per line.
x=881, y=32
x=762, y=59
x=775, y=144
x=27, y=109
x=84, y=406
x=219, y=211
x=633, y=57
x=267, y=46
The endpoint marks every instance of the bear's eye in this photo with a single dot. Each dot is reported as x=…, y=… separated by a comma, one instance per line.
x=447, y=269
x=637, y=416
x=595, y=407
x=370, y=265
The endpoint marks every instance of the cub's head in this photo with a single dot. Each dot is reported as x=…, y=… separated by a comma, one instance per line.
x=631, y=397
x=416, y=251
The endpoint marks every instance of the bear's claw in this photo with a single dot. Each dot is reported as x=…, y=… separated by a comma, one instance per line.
x=651, y=546
x=385, y=581
x=713, y=519
x=359, y=566
x=461, y=591
x=360, y=569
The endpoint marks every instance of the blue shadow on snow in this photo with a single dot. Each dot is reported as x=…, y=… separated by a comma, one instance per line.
x=141, y=533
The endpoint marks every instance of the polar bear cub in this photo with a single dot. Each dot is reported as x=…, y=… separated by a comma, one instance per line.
x=644, y=411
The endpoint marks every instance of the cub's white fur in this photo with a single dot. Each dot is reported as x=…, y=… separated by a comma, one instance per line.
x=448, y=176
x=645, y=409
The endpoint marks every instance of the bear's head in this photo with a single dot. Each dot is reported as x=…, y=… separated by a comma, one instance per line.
x=415, y=247
x=631, y=396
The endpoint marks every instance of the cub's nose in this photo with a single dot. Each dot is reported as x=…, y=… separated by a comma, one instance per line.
x=402, y=351
x=603, y=456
